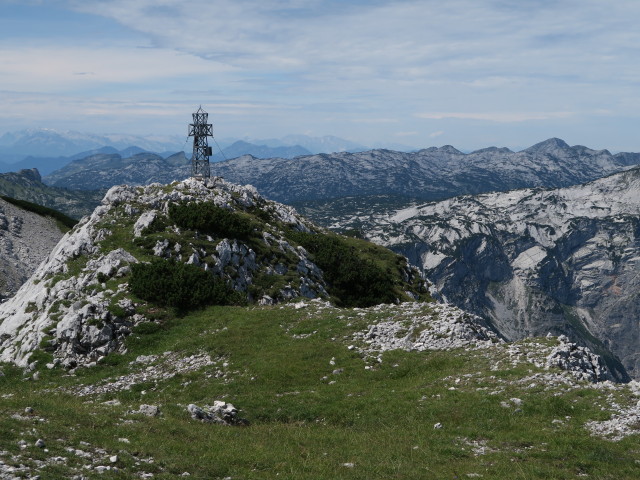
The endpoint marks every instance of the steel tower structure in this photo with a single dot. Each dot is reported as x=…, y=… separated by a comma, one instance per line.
x=200, y=130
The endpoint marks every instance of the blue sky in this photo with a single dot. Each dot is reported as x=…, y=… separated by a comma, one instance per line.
x=470, y=73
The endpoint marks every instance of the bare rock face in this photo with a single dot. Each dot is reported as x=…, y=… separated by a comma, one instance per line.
x=25, y=240
x=584, y=364
x=535, y=261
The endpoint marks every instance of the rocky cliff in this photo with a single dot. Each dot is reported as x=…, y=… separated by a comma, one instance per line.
x=534, y=261
x=26, y=239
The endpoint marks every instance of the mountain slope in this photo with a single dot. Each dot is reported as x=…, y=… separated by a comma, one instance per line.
x=326, y=393
x=533, y=260
x=27, y=185
x=241, y=147
x=26, y=238
x=107, y=380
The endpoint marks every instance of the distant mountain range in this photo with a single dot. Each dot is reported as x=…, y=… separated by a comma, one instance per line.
x=241, y=147
x=48, y=149
x=429, y=174
x=44, y=142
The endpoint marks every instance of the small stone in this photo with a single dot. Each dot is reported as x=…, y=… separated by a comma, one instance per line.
x=149, y=410
x=113, y=459
x=40, y=443
x=28, y=410
x=437, y=426
x=349, y=465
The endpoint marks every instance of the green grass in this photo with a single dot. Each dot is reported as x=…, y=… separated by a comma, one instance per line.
x=302, y=424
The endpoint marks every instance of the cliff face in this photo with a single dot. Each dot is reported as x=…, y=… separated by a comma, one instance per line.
x=26, y=239
x=534, y=261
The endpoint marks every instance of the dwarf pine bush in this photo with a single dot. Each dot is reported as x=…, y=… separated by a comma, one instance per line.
x=181, y=286
x=211, y=219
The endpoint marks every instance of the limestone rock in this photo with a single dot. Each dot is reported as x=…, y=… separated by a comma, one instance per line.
x=220, y=412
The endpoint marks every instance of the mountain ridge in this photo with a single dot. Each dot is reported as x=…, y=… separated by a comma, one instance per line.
x=428, y=174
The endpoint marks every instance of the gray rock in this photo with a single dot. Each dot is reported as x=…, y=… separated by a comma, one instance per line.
x=161, y=247
x=149, y=410
x=144, y=221
x=220, y=412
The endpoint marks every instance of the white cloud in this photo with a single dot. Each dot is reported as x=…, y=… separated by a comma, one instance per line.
x=496, y=116
x=69, y=68
x=340, y=67
x=436, y=134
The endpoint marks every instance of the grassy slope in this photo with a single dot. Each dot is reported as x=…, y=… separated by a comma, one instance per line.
x=304, y=426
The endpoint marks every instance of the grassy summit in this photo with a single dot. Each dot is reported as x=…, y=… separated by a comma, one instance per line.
x=317, y=408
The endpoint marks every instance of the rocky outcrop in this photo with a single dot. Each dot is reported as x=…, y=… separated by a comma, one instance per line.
x=416, y=327
x=584, y=364
x=445, y=327
x=220, y=412
x=77, y=304
x=535, y=261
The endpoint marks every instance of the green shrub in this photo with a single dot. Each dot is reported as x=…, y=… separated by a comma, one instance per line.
x=211, y=219
x=184, y=287
x=353, y=280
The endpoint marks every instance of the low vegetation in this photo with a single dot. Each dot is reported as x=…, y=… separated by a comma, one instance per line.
x=211, y=219
x=181, y=286
x=356, y=281
x=315, y=411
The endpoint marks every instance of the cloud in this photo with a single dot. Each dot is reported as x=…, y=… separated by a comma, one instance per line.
x=336, y=67
x=506, y=117
x=436, y=134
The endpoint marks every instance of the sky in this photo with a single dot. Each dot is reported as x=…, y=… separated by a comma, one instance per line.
x=469, y=73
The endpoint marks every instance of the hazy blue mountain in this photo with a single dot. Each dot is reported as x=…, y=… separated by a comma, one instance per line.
x=325, y=144
x=52, y=143
x=241, y=147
